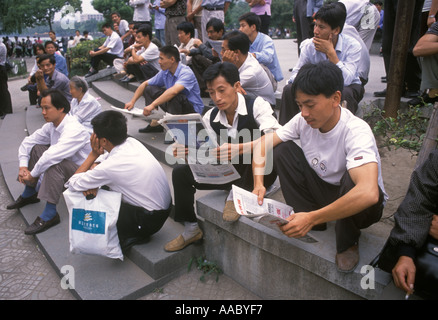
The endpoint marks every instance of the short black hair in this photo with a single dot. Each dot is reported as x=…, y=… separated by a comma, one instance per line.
x=186, y=27
x=321, y=78
x=216, y=23
x=334, y=14
x=49, y=42
x=59, y=101
x=225, y=69
x=107, y=26
x=170, y=51
x=237, y=40
x=111, y=125
x=145, y=30
x=46, y=56
x=251, y=19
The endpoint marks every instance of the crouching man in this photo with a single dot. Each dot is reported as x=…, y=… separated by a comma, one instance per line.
x=335, y=175
x=53, y=152
x=129, y=168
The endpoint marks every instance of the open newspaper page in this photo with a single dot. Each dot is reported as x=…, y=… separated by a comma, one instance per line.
x=271, y=213
x=155, y=115
x=217, y=46
x=190, y=131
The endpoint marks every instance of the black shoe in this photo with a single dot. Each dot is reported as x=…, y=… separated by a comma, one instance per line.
x=380, y=93
x=24, y=88
x=128, y=79
x=424, y=99
x=149, y=129
x=21, y=202
x=89, y=74
x=39, y=225
x=123, y=78
x=411, y=94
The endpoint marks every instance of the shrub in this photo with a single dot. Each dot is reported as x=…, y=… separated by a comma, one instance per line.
x=80, y=58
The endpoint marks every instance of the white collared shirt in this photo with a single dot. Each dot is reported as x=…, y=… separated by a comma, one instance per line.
x=151, y=54
x=69, y=140
x=115, y=44
x=85, y=110
x=131, y=170
x=255, y=81
x=262, y=112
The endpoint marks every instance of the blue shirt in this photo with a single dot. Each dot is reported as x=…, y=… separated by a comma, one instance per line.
x=61, y=64
x=184, y=76
x=160, y=18
x=264, y=48
x=214, y=3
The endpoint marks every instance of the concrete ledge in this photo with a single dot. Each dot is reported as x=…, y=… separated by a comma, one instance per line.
x=276, y=267
x=102, y=74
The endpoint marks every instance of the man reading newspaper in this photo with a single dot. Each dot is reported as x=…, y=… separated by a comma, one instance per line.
x=233, y=115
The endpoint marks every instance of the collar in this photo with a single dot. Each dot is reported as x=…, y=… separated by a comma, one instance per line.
x=241, y=110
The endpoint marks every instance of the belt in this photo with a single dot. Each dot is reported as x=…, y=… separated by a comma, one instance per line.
x=213, y=8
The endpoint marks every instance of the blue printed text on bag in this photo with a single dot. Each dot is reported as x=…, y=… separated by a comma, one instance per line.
x=88, y=221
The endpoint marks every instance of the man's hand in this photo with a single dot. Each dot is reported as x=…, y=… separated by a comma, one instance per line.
x=433, y=232
x=91, y=193
x=22, y=173
x=39, y=74
x=260, y=192
x=299, y=225
x=96, y=148
x=404, y=274
x=148, y=110
x=226, y=152
x=229, y=56
x=324, y=46
x=180, y=151
x=92, y=53
x=129, y=105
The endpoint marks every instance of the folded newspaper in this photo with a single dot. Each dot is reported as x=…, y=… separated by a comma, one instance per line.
x=190, y=131
x=271, y=213
x=156, y=114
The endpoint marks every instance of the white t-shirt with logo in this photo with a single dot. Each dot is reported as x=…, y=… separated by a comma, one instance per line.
x=348, y=145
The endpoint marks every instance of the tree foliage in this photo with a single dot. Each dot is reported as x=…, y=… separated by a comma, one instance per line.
x=106, y=7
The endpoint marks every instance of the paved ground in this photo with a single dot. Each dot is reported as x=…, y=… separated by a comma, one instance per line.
x=26, y=274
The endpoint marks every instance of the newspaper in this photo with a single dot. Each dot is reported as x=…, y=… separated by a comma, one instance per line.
x=271, y=213
x=190, y=131
x=156, y=114
x=217, y=46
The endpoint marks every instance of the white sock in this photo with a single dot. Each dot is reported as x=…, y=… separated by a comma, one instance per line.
x=190, y=230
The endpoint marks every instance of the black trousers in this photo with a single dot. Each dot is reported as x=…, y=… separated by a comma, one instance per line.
x=142, y=72
x=108, y=58
x=185, y=187
x=138, y=223
x=352, y=94
x=5, y=96
x=305, y=191
x=178, y=105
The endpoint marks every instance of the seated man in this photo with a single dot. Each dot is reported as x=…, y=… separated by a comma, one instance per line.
x=53, y=152
x=186, y=36
x=146, y=199
x=234, y=113
x=111, y=49
x=416, y=219
x=253, y=78
x=262, y=47
x=335, y=175
x=142, y=64
x=427, y=48
x=47, y=77
x=328, y=44
x=203, y=54
x=61, y=64
x=174, y=89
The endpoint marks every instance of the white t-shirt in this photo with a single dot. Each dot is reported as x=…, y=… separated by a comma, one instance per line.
x=151, y=55
x=348, y=145
x=115, y=44
x=255, y=81
x=131, y=170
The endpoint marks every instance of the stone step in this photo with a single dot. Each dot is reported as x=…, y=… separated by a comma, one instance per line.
x=145, y=267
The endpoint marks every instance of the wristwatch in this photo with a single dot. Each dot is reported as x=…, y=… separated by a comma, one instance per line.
x=432, y=16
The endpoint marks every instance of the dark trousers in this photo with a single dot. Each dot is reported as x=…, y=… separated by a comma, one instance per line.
x=352, y=94
x=265, y=20
x=303, y=23
x=5, y=96
x=178, y=105
x=199, y=64
x=142, y=72
x=106, y=57
x=305, y=191
x=185, y=187
x=138, y=223
x=412, y=76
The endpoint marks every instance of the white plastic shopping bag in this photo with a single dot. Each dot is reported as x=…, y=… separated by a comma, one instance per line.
x=92, y=223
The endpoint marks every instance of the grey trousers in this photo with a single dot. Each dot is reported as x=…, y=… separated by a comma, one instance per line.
x=53, y=180
x=170, y=32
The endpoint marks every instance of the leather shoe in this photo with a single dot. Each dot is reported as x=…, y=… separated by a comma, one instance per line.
x=230, y=214
x=21, y=202
x=412, y=94
x=39, y=225
x=179, y=243
x=24, y=88
x=380, y=93
x=150, y=129
x=347, y=260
